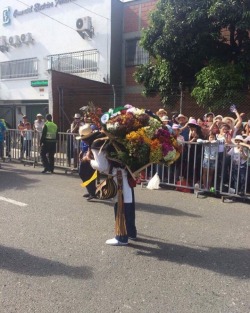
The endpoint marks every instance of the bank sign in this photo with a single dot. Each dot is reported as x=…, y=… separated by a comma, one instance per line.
x=37, y=7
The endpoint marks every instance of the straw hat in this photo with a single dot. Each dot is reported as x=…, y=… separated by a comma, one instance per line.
x=85, y=132
x=238, y=137
x=218, y=117
x=161, y=111
x=226, y=118
x=165, y=118
x=181, y=115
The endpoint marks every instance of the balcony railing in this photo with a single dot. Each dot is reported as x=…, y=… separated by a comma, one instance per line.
x=75, y=62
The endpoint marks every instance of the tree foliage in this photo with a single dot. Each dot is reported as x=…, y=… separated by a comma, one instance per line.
x=194, y=42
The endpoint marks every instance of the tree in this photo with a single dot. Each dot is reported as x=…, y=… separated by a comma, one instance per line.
x=195, y=42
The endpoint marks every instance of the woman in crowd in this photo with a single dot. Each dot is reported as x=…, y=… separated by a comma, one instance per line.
x=194, y=155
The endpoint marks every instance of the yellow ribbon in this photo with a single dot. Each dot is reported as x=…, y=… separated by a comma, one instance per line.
x=93, y=177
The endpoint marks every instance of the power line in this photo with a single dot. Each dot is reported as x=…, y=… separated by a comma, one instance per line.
x=48, y=16
x=55, y=20
x=91, y=11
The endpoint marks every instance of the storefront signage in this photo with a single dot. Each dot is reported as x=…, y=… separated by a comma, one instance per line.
x=37, y=7
x=6, y=16
x=39, y=83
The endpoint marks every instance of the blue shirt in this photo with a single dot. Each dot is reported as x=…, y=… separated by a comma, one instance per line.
x=83, y=146
x=2, y=130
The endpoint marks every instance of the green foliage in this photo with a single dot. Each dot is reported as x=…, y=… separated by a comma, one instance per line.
x=218, y=84
x=184, y=36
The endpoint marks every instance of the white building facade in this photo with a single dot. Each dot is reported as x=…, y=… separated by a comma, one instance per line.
x=71, y=36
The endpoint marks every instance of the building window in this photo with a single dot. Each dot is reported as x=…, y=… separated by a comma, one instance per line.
x=19, y=68
x=134, y=53
x=75, y=62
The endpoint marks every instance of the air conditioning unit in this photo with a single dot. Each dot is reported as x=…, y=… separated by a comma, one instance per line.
x=26, y=38
x=15, y=41
x=84, y=23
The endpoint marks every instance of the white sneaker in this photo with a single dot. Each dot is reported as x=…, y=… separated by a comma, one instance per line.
x=231, y=190
x=115, y=242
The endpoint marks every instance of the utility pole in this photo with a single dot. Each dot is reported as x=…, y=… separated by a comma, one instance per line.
x=181, y=96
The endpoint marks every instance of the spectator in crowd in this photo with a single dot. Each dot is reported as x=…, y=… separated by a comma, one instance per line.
x=74, y=129
x=180, y=140
x=194, y=151
x=234, y=124
x=224, y=138
x=48, y=144
x=161, y=112
x=246, y=129
x=173, y=119
x=165, y=123
x=204, y=128
x=218, y=119
x=2, y=133
x=214, y=128
x=7, y=138
x=210, y=152
x=182, y=120
x=27, y=139
x=209, y=119
x=21, y=127
x=239, y=156
x=38, y=127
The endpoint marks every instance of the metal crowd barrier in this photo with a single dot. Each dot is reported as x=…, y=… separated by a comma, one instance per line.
x=26, y=149
x=227, y=179
x=221, y=177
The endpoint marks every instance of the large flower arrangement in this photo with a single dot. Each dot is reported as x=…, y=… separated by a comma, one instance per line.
x=139, y=138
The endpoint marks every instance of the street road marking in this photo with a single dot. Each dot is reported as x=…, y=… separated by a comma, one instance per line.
x=13, y=201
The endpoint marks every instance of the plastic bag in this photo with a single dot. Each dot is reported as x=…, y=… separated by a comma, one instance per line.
x=154, y=182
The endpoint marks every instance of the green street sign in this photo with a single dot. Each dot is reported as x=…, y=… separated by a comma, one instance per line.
x=39, y=83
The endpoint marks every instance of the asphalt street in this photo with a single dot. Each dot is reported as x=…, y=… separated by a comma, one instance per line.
x=192, y=254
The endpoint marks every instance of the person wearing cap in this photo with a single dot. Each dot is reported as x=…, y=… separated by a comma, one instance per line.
x=161, y=112
x=87, y=174
x=38, y=127
x=239, y=156
x=218, y=119
x=182, y=121
x=165, y=123
x=234, y=124
x=177, y=134
x=48, y=142
x=209, y=119
x=74, y=129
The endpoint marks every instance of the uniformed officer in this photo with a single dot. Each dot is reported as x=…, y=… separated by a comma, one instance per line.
x=48, y=144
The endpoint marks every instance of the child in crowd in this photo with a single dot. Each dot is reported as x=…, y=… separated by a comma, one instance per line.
x=239, y=156
x=27, y=139
x=224, y=138
x=209, y=160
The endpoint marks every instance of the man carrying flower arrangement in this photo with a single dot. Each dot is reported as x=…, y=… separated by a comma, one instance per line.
x=135, y=140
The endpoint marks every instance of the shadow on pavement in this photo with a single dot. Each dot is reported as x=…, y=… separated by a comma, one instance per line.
x=16, y=181
x=19, y=261
x=230, y=262
x=158, y=209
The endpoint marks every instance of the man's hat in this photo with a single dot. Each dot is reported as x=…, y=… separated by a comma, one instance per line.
x=85, y=132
